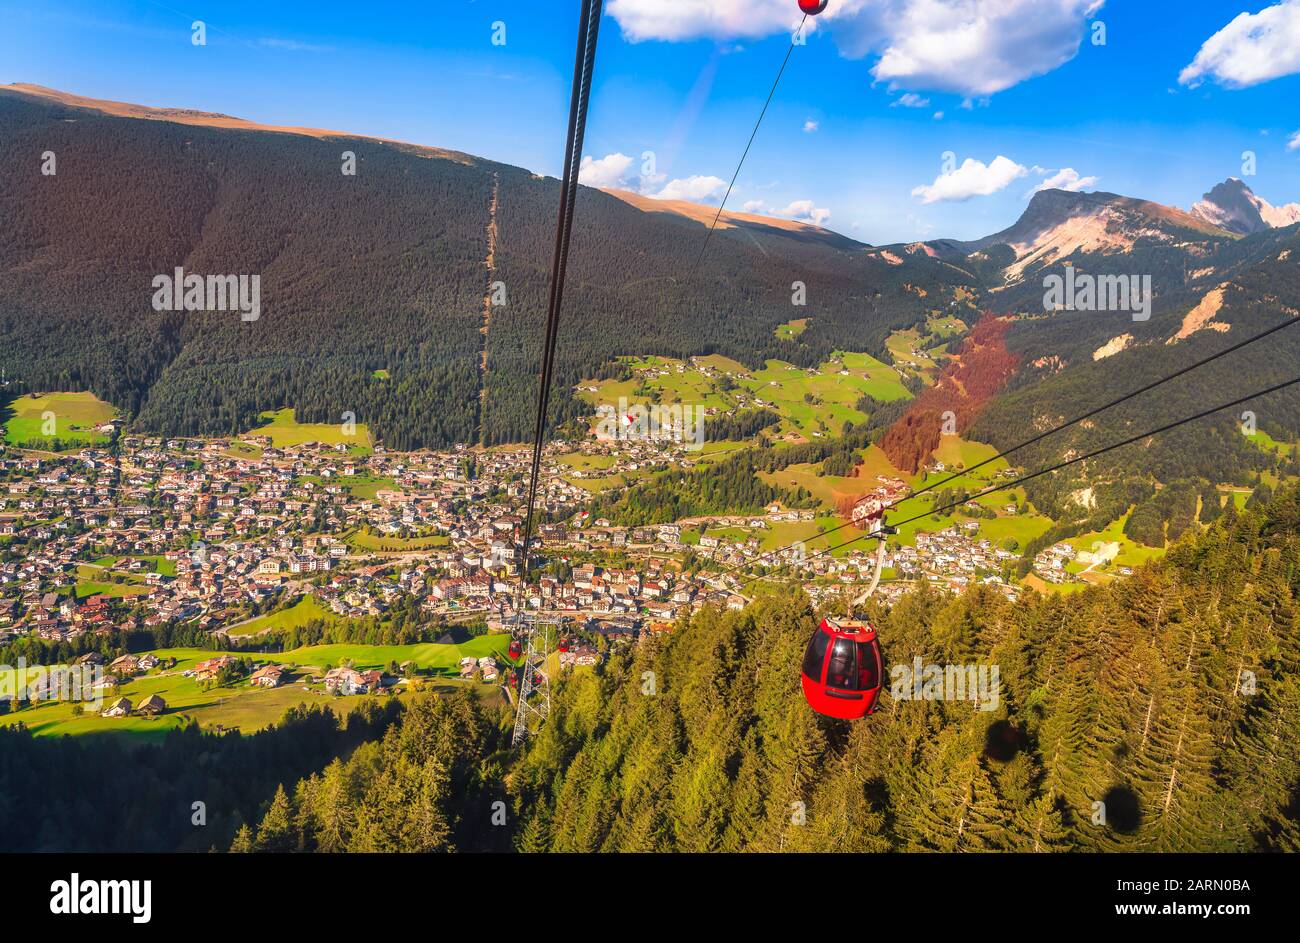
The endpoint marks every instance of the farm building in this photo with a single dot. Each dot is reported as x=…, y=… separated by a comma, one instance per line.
x=268, y=676
x=152, y=705
x=119, y=708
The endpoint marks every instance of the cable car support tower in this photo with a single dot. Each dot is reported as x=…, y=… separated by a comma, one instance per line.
x=534, y=685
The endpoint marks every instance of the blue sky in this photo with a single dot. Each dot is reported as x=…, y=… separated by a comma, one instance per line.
x=1019, y=80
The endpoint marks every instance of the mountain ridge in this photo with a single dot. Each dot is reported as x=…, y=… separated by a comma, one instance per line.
x=209, y=119
x=212, y=119
x=387, y=271
x=381, y=270
x=1228, y=209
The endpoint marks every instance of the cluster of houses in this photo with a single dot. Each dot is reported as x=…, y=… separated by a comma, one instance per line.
x=485, y=667
x=955, y=557
x=209, y=531
x=279, y=524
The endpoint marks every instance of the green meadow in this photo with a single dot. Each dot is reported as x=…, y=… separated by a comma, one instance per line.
x=1270, y=444
x=372, y=544
x=76, y=417
x=243, y=705
x=294, y=617
x=428, y=655
x=284, y=431
x=811, y=402
x=792, y=329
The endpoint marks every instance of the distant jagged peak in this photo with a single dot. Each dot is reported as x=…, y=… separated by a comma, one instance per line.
x=1233, y=206
x=1060, y=223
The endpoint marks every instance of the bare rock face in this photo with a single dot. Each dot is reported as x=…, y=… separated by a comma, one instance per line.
x=1233, y=206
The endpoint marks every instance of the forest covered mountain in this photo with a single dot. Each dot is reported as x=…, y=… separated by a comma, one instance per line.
x=1157, y=713
x=1132, y=696
x=384, y=270
x=388, y=271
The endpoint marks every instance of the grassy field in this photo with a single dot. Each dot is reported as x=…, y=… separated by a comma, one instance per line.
x=152, y=564
x=244, y=450
x=285, y=431
x=811, y=402
x=366, y=487
x=900, y=344
x=372, y=544
x=590, y=467
x=587, y=463
x=828, y=490
x=116, y=590
x=1040, y=584
x=955, y=453
x=247, y=707
x=427, y=655
x=792, y=329
x=946, y=326
x=925, y=363
x=362, y=487
x=242, y=705
x=1270, y=444
x=602, y=483
x=295, y=617
x=77, y=417
x=661, y=379
x=1130, y=553
x=822, y=400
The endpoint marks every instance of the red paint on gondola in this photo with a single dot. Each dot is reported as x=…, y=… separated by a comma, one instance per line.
x=812, y=7
x=843, y=669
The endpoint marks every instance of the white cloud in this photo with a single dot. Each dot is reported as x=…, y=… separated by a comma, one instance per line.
x=695, y=188
x=810, y=126
x=971, y=47
x=1253, y=48
x=1294, y=143
x=616, y=172
x=676, y=20
x=805, y=212
x=972, y=178
x=910, y=100
x=1067, y=178
x=975, y=48
x=938, y=116
x=753, y=206
x=610, y=172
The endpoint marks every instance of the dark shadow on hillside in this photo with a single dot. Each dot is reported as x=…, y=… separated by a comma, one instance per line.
x=1003, y=740
x=1123, y=810
x=114, y=794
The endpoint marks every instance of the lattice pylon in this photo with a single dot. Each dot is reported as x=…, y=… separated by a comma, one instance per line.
x=534, y=686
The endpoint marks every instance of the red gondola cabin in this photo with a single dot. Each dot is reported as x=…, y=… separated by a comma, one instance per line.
x=516, y=648
x=842, y=669
x=812, y=7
